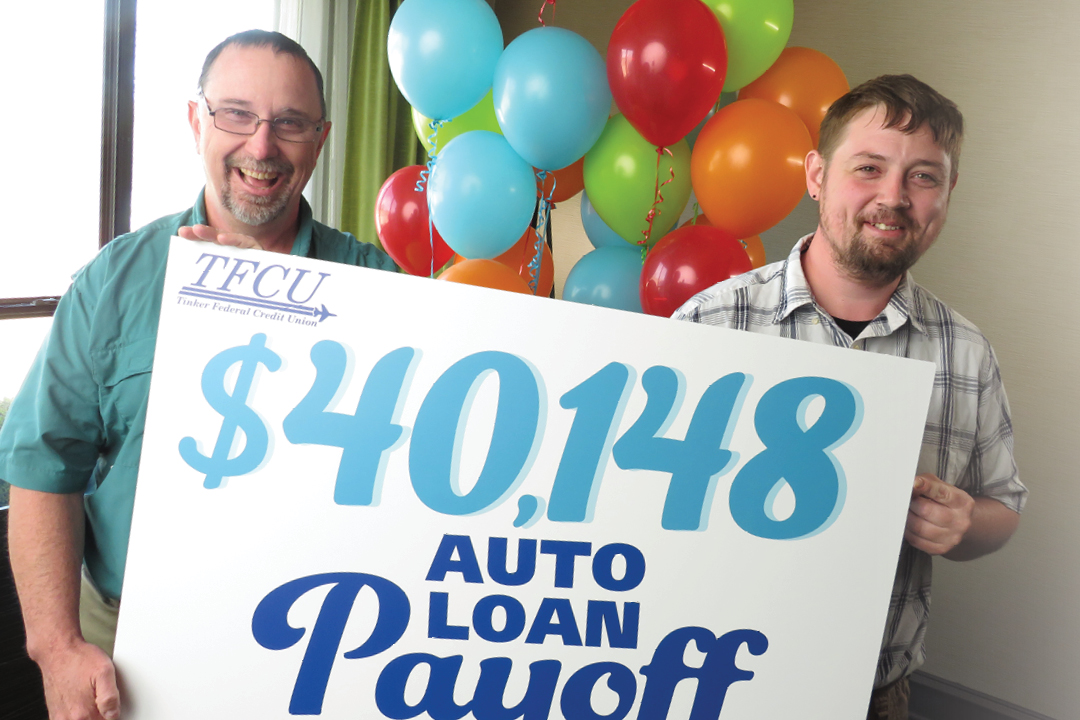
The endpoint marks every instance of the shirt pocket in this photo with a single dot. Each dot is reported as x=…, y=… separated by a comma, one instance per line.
x=124, y=388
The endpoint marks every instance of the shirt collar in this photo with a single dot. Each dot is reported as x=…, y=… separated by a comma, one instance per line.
x=302, y=243
x=795, y=293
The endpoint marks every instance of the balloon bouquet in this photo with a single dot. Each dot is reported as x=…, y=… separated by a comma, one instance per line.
x=523, y=119
x=530, y=127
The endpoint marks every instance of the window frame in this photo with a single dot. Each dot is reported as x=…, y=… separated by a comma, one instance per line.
x=117, y=122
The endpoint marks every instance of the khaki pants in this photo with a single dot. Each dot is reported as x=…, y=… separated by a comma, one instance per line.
x=97, y=615
x=890, y=702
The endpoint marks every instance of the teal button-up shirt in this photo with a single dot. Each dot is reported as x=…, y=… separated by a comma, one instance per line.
x=77, y=423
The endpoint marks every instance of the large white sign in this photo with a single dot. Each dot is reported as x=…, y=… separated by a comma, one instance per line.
x=369, y=495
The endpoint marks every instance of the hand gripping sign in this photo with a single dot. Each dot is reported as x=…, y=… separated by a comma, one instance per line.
x=371, y=495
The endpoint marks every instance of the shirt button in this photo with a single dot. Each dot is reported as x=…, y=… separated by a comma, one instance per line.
x=815, y=321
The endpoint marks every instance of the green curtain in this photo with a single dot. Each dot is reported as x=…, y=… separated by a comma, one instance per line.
x=379, y=136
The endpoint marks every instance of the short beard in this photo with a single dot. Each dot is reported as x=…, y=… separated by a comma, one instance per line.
x=866, y=263
x=252, y=210
x=860, y=261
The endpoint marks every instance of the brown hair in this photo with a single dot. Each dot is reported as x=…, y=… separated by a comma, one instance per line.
x=264, y=38
x=908, y=103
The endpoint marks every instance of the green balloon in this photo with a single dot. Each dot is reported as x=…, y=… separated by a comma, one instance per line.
x=480, y=116
x=756, y=32
x=620, y=179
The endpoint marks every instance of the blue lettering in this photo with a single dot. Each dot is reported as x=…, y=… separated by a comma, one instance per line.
x=604, y=613
x=296, y=283
x=271, y=628
x=632, y=575
x=444, y=561
x=438, y=624
x=438, y=700
x=716, y=674
x=798, y=454
x=565, y=626
x=576, y=700
x=237, y=273
x=487, y=702
x=497, y=563
x=437, y=434
x=565, y=552
x=262, y=274
x=483, y=618
x=366, y=436
x=209, y=266
x=693, y=463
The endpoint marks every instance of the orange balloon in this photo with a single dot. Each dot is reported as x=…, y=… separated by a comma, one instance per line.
x=747, y=166
x=754, y=250
x=486, y=273
x=568, y=182
x=803, y=79
x=752, y=245
x=518, y=257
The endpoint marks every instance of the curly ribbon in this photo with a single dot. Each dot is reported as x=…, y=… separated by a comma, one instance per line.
x=697, y=211
x=543, y=7
x=433, y=140
x=658, y=197
x=543, y=218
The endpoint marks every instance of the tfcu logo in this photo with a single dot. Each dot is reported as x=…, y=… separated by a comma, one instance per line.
x=257, y=289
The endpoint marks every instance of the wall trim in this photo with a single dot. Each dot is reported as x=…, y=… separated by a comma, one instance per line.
x=935, y=698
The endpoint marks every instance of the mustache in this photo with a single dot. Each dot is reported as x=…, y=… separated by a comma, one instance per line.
x=278, y=165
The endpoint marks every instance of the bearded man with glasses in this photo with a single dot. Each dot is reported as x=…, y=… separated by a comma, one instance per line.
x=71, y=442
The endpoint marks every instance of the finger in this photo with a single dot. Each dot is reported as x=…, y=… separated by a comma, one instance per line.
x=927, y=546
x=237, y=240
x=925, y=529
x=106, y=694
x=198, y=232
x=931, y=511
x=931, y=487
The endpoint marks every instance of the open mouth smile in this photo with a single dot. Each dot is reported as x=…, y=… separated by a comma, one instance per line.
x=258, y=182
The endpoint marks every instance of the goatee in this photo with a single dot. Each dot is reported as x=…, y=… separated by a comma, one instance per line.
x=255, y=210
x=874, y=263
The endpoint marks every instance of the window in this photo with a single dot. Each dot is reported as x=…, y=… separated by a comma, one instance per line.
x=55, y=144
x=170, y=46
x=52, y=131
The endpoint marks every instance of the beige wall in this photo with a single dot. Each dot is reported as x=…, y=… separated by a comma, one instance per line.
x=1007, y=625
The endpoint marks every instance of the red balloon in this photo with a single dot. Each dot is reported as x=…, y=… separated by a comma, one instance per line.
x=685, y=262
x=401, y=221
x=666, y=64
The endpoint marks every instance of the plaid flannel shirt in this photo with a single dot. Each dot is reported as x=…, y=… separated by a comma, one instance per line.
x=968, y=441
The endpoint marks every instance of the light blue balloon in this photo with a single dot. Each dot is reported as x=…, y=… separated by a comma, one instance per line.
x=443, y=53
x=608, y=277
x=482, y=195
x=551, y=96
x=599, y=234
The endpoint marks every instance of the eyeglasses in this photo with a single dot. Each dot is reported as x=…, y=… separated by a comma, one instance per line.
x=241, y=122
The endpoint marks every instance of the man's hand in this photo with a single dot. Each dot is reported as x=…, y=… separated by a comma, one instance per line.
x=939, y=515
x=45, y=543
x=205, y=233
x=80, y=684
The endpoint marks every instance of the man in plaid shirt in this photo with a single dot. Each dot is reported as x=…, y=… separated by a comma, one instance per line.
x=883, y=172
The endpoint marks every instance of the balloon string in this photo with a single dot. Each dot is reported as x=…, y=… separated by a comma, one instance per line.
x=544, y=7
x=543, y=217
x=433, y=141
x=658, y=197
